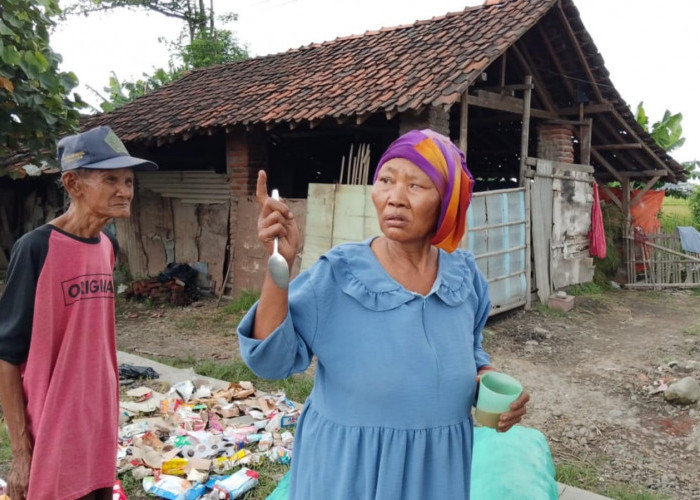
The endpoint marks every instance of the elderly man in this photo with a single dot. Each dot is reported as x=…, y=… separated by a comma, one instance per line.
x=59, y=381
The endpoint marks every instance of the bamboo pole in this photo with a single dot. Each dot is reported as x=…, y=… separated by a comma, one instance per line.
x=342, y=167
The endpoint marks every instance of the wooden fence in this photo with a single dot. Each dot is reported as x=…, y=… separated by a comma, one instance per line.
x=658, y=261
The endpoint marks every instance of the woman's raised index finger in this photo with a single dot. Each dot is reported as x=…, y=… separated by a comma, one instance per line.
x=261, y=188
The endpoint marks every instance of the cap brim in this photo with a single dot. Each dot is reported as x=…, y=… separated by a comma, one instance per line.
x=125, y=161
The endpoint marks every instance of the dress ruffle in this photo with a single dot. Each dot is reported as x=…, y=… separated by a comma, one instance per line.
x=365, y=280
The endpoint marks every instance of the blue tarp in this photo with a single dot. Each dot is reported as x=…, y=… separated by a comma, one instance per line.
x=690, y=238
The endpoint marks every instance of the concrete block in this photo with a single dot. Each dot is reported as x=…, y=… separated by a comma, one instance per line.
x=563, y=303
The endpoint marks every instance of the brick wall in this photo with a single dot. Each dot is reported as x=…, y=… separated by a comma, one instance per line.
x=246, y=153
x=434, y=117
x=555, y=142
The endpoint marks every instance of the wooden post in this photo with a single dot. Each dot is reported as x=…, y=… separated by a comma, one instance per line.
x=528, y=246
x=628, y=244
x=464, y=123
x=586, y=131
x=525, y=136
x=524, y=143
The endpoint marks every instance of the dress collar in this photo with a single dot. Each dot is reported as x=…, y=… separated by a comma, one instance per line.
x=362, y=277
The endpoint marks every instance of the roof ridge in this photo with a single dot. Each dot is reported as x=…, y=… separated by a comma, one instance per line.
x=383, y=29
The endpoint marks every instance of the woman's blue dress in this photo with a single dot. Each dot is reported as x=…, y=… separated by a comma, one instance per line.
x=389, y=415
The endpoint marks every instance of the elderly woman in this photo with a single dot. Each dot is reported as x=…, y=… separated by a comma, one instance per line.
x=395, y=323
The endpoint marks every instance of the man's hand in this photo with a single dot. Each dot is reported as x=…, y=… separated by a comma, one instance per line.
x=18, y=482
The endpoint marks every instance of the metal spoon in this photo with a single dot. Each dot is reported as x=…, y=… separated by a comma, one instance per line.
x=276, y=264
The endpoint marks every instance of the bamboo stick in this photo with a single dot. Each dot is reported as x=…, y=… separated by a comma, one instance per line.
x=342, y=167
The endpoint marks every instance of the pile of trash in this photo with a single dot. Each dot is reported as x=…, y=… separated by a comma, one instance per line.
x=176, y=285
x=184, y=444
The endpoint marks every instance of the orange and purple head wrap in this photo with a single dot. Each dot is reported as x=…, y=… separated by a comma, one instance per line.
x=446, y=166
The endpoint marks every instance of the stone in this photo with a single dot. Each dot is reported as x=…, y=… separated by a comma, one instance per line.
x=685, y=391
x=615, y=413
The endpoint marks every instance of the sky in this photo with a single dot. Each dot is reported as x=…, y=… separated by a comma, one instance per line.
x=649, y=46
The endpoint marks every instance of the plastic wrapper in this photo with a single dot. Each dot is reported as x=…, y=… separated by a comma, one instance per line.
x=280, y=455
x=170, y=487
x=236, y=484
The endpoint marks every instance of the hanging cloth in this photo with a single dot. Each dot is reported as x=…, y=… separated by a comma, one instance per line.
x=596, y=236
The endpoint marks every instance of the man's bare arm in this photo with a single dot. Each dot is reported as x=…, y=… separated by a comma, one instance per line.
x=15, y=413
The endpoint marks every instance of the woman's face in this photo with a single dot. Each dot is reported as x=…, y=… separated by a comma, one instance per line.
x=407, y=202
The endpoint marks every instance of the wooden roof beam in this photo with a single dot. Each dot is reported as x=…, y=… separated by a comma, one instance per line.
x=529, y=69
x=601, y=159
x=557, y=63
x=616, y=132
x=611, y=195
x=589, y=109
x=643, y=173
x=607, y=147
x=646, y=188
x=491, y=100
x=579, y=52
x=646, y=148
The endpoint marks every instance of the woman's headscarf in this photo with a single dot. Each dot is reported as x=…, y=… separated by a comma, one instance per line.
x=446, y=166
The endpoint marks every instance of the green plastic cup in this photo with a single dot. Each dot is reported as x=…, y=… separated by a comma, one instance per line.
x=496, y=392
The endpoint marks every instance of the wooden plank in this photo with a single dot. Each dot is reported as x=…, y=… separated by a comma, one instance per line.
x=464, y=122
x=642, y=191
x=155, y=221
x=613, y=197
x=586, y=132
x=371, y=222
x=529, y=68
x=628, y=246
x=588, y=109
x=643, y=173
x=571, y=207
x=563, y=165
x=348, y=214
x=319, y=222
x=615, y=147
x=673, y=252
x=579, y=52
x=541, y=204
x=491, y=100
x=646, y=148
x=186, y=229
x=130, y=239
x=525, y=132
x=601, y=159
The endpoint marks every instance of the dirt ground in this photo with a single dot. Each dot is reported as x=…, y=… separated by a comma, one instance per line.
x=591, y=373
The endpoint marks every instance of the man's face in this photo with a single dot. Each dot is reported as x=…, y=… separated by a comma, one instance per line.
x=107, y=193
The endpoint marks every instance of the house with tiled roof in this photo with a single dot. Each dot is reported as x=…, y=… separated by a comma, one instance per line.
x=518, y=84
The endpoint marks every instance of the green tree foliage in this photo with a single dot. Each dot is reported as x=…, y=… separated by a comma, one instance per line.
x=668, y=135
x=694, y=204
x=35, y=102
x=201, y=45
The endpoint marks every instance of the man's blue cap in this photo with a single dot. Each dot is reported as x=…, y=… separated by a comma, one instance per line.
x=98, y=148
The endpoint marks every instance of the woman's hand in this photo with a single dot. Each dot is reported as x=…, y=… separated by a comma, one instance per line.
x=276, y=220
x=516, y=413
